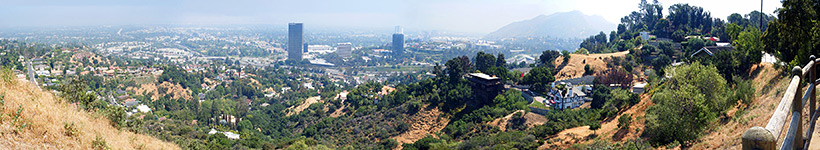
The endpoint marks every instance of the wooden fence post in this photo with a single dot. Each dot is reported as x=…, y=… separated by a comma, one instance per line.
x=797, y=106
x=756, y=138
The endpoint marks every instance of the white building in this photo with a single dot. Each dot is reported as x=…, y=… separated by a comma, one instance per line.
x=320, y=49
x=228, y=134
x=344, y=50
x=566, y=96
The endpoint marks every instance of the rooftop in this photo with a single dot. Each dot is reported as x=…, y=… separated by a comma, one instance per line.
x=483, y=76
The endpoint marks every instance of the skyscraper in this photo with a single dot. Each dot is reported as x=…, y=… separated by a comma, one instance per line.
x=295, y=41
x=398, y=42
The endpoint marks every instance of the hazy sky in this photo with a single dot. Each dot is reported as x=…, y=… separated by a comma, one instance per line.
x=473, y=16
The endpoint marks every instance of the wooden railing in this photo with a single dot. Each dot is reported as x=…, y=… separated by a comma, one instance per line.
x=792, y=104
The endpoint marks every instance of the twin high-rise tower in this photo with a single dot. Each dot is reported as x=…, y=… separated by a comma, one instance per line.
x=295, y=41
x=398, y=42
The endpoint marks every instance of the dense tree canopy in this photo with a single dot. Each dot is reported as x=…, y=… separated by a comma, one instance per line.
x=795, y=34
x=691, y=98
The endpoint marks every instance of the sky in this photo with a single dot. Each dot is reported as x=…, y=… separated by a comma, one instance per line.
x=467, y=16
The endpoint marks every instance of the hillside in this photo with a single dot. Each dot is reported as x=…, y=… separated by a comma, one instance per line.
x=45, y=122
x=575, y=67
x=562, y=25
x=724, y=135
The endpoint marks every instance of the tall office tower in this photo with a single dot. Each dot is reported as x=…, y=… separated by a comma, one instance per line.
x=398, y=42
x=305, y=48
x=295, y=41
x=344, y=50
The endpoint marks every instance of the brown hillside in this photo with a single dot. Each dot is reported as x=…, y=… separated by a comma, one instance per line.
x=297, y=109
x=609, y=129
x=151, y=89
x=725, y=134
x=575, y=67
x=46, y=118
x=426, y=121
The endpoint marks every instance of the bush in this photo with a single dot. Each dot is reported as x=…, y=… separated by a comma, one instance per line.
x=624, y=121
x=99, y=143
x=70, y=130
x=693, y=98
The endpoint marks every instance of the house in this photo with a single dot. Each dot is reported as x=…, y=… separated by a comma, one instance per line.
x=639, y=88
x=566, y=96
x=228, y=134
x=485, y=87
x=711, y=50
x=143, y=108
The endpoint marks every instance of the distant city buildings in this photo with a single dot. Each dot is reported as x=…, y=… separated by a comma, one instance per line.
x=295, y=41
x=398, y=42
x=344, y=50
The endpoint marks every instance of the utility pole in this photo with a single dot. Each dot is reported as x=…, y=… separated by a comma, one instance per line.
x=760, y=20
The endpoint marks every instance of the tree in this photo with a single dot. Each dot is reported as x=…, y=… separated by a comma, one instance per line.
x=749, y=43
x=75, y=92
x=600, y=95
x=484, y=61
x=733, y=30
x=565, y=53
x=662, y=28
x=621, y=28
x=500, y=61
x=613, y=37
x=678, y=35
x=539, y=78
x=694, y=44
x=624, y=121
x=547, y=57
x=594, y=126
x=595, y=43
x=617, y=76
x=737, y=19
x=661, y=62
x=719, y=29
x=457, y=67
x=587, y=70
x=692, y=99
x=795, y=34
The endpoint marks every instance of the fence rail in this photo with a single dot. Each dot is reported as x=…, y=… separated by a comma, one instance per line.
x=792, y=104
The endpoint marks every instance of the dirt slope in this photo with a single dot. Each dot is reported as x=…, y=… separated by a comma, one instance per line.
x=575, y=67
x=532, y=120
x=296, y=109
x=152, y=90
x=424, y=122
x=46, y=118
x=609, y=128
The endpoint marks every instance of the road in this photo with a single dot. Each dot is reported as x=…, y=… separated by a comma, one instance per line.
x=31, y=74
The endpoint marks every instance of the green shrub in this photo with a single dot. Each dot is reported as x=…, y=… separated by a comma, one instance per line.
x=624, y=121
x=70, y=129
x=99, y=143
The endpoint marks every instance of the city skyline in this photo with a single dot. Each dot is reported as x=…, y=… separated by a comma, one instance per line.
x=482, y=16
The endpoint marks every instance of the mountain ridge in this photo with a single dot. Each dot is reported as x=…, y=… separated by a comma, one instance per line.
x=561, y=24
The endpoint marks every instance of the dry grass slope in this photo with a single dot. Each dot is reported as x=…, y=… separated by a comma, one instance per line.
x=44, y=122
x=725, y=134
x=575, y=67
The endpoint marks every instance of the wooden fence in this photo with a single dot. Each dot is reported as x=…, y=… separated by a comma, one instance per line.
x=792, y=104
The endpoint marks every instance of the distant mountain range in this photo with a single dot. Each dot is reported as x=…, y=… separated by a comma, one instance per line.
x=573, y=24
